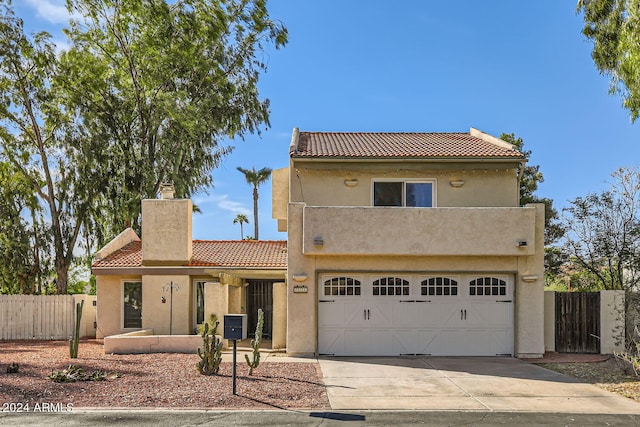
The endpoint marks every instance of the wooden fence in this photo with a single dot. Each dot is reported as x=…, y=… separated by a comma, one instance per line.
x=40, y=317
x=577, y=322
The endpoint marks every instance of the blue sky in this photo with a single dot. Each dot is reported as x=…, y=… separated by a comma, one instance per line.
x=422, y=66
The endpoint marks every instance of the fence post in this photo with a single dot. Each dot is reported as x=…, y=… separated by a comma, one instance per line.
x=612, y=321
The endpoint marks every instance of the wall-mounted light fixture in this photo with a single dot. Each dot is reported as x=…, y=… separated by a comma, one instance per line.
x=530, y=278
x=521, y=243
x=301, y=277
x=457, y=183
x=317, y=242
x=350, y=182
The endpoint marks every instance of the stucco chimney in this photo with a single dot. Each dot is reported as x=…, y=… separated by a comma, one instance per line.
x=166, y=231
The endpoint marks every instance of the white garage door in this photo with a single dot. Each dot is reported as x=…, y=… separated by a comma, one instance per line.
x=432, y=314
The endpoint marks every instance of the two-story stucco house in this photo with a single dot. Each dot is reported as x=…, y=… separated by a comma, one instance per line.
x=397, y=243
x=409, y=243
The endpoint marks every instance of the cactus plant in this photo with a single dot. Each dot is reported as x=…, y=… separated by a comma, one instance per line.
x=255, y=344
x=211, y=353
x=73, y=342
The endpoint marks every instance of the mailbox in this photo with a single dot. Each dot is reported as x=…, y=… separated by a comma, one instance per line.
x=235, y=326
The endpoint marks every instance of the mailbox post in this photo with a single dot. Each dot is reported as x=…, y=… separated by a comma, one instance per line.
x=235, y=328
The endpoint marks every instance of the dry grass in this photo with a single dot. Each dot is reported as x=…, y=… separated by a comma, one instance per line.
x=164, y=380
x=608, y=375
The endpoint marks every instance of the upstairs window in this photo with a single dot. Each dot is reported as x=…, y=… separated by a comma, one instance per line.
x=403, y=193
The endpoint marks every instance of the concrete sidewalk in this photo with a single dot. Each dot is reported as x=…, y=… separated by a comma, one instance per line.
x=462, y=384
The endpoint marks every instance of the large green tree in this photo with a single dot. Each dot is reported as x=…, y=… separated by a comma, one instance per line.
x=603, y=232
x=24, y=246
x=146, y=94
x=159, y=86
x=39, y=139
x=255, y=178
x=614, y=28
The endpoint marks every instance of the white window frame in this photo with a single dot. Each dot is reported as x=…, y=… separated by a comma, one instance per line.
x=404, y=182
x=122, y=303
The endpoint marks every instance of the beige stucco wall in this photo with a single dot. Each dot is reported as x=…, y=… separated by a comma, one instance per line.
x=166, y=231
x=529, y=321
x=236, y=300
x=418, y=231
x=156, y=314
x=612, y=324
x=217, y=302
x=87, y=328
x=279, y=325
x=109, y=304
x=529, y=310
x=488, y=185
x=280, y=196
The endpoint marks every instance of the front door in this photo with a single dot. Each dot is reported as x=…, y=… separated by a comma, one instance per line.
x=260, y=295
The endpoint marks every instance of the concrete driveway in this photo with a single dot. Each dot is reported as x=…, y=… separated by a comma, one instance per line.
x=461, y=384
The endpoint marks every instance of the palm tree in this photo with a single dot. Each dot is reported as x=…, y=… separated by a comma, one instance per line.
x=239, y=219
x=255, y=178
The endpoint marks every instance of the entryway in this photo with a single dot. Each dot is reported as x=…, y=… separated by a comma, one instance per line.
x=577, y=325
x=260, y=295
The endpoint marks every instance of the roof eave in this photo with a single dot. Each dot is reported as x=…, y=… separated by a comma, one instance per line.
x=177, y=270
x=484, y=159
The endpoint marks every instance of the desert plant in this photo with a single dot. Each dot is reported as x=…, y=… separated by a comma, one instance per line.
x=14, y=368
x=629, y=359
x=73, y=342
x=255, y=344
x=213, y=318
x=211, y=353
x=75, y=373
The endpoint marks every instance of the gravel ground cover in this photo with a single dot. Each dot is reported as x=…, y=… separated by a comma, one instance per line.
x=162, y=380
x=608, y=375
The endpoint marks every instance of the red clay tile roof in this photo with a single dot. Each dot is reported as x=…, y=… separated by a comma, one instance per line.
x=212, y=253
x=240, y=253
x=130, y=255
x=397, y=145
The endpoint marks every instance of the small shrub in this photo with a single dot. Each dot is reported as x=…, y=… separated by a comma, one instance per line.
x=629, y=359
x=75, y=373
x=14, y=368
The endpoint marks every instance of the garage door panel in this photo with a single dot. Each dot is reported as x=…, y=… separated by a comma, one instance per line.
x=452, y=314
x=447, y=315
x=331, y=341
x=489, y=342
x=372, y=342
x=331, y=314
x=417, y=341
x=379, y=314
x=489, y=314
x=453, y=342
